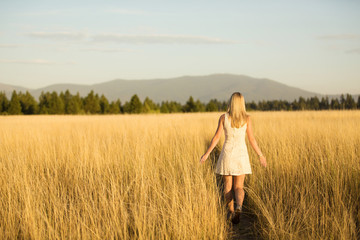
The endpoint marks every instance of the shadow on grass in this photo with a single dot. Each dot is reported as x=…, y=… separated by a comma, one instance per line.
x=246, y=228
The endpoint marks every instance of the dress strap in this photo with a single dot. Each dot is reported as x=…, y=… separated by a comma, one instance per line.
x=226, y=118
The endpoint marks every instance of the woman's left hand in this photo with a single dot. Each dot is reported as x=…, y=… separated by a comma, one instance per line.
x=263, y=161
x=203, y=158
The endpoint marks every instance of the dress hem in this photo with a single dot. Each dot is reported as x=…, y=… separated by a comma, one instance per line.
x=231, y=174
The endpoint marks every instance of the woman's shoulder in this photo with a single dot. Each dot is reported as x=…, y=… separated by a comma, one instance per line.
x=222, y=118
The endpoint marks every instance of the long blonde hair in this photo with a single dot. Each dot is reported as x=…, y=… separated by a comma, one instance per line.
x=237, y=110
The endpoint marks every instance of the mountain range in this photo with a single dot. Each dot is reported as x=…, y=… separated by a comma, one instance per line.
x=204, y=88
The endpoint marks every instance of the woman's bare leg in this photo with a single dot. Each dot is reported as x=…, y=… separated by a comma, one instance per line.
x=239, y=190
x=228, y=195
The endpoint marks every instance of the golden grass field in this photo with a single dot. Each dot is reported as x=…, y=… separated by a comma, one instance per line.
x=138, y=176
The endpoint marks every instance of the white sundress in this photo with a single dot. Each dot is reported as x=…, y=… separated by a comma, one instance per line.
x=234, y=157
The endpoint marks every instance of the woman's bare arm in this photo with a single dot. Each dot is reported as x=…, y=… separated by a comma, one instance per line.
x=215, y=139
x=253, y=142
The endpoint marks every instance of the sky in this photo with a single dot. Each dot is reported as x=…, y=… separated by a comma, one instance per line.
x=313, y=45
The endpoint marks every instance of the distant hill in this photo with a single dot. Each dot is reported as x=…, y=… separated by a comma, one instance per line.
x=9, y=88
x=219, y=86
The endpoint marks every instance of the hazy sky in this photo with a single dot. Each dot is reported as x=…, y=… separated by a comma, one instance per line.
x=313, y=45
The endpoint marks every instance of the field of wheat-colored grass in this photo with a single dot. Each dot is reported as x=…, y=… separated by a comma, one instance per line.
x=138, y=176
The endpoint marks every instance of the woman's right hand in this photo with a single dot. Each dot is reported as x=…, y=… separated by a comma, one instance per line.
x=203, y=158
x=263, y=161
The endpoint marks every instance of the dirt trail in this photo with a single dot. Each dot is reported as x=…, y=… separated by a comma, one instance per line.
x=245, y=229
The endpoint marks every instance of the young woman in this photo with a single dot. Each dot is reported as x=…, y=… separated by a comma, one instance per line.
x=233, y=162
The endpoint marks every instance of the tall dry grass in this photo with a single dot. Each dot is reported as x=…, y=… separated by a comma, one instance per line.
x=125, y=177
x=105, y=177
x=311, y=188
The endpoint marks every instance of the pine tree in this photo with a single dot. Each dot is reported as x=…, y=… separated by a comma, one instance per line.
x=174, y=107
x=44, y=100
x=56, y=104
x=149, y=106
x=4, y=103
x=164, y=107
x=74, y=105
x=314, y=103
x=302, y=103
x=104, y=104
x=224, y=106
x=92, y=103
x=335, y=104
x=324, y=103
x=358, y=102
x=350, y=102
x=66, y=97
x=134, y=106
x=211, y=106
x=190, y=105
x=28, y=103
x=264, y=105
x=342, y=101
x=115, y=107
x=252, y=106
x=294, y=105
x=200, y=107
x=284, y=105
x=118, y=103
x=14, y=104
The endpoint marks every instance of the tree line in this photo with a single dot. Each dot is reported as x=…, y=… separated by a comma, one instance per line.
x=67, y=103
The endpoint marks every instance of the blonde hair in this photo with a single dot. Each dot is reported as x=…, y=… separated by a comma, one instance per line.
x=237, y=110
